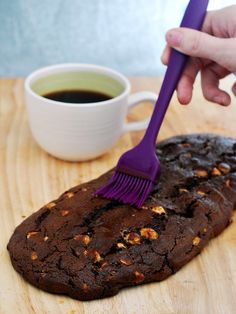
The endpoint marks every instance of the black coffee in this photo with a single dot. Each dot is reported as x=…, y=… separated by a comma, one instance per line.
x=77, y=96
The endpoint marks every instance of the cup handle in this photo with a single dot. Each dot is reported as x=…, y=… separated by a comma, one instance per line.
x=134, y=100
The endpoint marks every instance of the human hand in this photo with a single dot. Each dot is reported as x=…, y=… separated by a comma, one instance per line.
x=212, y=52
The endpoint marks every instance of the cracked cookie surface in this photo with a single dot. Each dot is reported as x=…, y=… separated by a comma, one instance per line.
x=88, y=247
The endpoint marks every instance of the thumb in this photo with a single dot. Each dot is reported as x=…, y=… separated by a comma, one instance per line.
x=198, y=44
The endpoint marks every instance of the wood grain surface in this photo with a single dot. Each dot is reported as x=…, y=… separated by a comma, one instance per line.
x=29, y=178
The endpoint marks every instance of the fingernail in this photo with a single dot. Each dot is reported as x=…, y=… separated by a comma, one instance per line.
x=174, y=38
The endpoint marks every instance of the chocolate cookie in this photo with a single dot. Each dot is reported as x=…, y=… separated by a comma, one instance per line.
x=89, y=247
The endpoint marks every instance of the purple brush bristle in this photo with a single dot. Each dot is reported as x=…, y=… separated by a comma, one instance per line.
x=132, y=181
x=138, y=169
x=138, y=189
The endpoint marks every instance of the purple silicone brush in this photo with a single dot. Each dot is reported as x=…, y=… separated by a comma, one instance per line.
x=138, y=169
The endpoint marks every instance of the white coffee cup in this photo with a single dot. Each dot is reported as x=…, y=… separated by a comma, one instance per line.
x=78, y=132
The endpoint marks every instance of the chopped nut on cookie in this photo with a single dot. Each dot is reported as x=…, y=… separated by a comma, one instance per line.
x=201, y=193
x=51, y=205
x=85, y=287
x=139, y=276
x=65, y=212
x=126, y=262
x=185, y=145
x=149, y=233
x=104, y=264
x=225, y=168
x=93, y=253
x=34, y=256
x=182, y=190
x=201, y=173
x=31, y=234
x=121, y=245
x=132, y=238
x=69, y=194
x=98, y=257
x=215, y=172
x=159, y=210
x=83, y=237
x=196, y=241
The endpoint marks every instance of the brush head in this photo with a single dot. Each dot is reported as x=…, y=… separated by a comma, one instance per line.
x=135, y=177
x=127, y=189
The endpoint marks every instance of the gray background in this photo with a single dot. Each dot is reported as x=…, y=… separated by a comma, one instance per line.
x=127, y=35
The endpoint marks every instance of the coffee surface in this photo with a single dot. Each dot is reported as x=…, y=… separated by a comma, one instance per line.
x=77, y=96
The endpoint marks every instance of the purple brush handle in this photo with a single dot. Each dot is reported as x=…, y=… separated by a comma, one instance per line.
x=193, y=18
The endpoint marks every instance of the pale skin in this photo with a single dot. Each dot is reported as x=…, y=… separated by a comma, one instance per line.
x=212, y=52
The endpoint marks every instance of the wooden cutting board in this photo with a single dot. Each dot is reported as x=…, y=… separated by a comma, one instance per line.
x=29, y=178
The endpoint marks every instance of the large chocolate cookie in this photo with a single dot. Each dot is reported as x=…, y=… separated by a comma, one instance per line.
x=89, y=247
